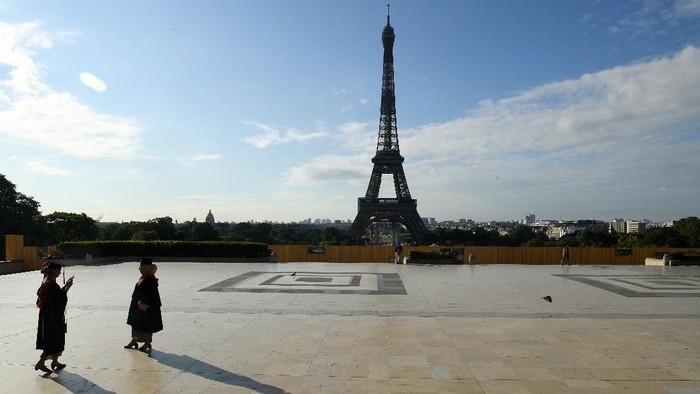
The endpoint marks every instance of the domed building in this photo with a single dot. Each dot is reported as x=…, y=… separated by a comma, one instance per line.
x=210, y=218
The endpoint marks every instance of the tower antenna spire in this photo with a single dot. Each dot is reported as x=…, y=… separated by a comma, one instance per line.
x=387, y=14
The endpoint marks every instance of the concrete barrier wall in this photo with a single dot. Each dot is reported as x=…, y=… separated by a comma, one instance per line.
x=482, y=254
x=11, y=267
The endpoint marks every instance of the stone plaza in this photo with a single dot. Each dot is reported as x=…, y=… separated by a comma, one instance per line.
x=337, y=328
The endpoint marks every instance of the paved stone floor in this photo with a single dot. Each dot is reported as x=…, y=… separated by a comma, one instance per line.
x=321, y=328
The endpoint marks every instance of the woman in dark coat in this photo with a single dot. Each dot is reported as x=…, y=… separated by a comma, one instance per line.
x=51, y=331
x=144, y=311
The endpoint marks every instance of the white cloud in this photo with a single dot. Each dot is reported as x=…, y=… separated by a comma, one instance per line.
x=202, y=157
x=354, y=127
x=329, y=169
x=359, y=136
x=656, y=17
x=687, y=8
x=595, y=111
x=273, y=136
x=598, y=141
x=59, y=122
x=93, y=82
x=130, y=173
x=210, y=197
x=46, y=169
x=197, y=158
x=32, y=112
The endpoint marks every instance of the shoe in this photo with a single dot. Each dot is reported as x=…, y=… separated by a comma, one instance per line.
x=132, y=344
x=56, y=365
x=42, y=367
x=145, y=348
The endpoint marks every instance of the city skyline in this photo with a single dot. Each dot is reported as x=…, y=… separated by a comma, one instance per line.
x=268, y=110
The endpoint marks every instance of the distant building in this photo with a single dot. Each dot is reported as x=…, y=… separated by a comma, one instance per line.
x=429, y=222
x=618, y=226
x=635, y=227
x=529, y=219
x=210, y=218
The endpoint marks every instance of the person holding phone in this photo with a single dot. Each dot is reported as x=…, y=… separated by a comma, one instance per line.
x=51, y=333
x=144, y=312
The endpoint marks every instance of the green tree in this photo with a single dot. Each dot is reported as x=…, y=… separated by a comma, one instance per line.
x=330, y=236
x=600, y=239
x=63, y=226
x=534, y=242
x=163, y=227
x=690, y=229
x=483, y=237
x=203, y=232
x=663, y=236
x=522, y=234
x=569, y=240
x=258, y=232
x=628, y=241
x=145, y=235
x=19, y=214
x=120, y=231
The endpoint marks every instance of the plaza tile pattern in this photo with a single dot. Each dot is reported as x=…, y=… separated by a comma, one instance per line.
x=642, y=285
x=313, y=282
x=455, y=329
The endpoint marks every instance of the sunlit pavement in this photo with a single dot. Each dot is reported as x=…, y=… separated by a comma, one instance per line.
x=367, y=328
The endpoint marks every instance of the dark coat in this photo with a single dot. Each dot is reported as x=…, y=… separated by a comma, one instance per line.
x=51, y=331
x=147, y=292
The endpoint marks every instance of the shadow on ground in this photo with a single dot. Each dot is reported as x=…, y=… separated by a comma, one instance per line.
x=76, y=383
x=211, y=372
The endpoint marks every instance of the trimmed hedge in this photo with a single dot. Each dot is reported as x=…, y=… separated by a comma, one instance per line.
x=685, y=256
x=442, y=254
x=163, y=248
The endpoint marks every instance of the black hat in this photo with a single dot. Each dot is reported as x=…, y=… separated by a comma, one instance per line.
x=52, y=265
x=146, y=261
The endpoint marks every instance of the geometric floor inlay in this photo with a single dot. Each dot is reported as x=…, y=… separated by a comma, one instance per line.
x=368, y=283
x=642, y=285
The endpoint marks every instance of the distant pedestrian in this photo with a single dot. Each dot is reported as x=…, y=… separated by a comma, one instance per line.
x=472, y=259
x=144, y=312
x=398, y=254
x=565, y=255
x=51, y=332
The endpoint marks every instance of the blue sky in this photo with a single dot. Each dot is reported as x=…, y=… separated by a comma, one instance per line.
x=268, y=110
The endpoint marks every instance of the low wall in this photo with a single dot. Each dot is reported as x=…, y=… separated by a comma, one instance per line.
x=481, y=254
x=664, y=262
x=31, y=255
x=11, y=267
x=684, y=262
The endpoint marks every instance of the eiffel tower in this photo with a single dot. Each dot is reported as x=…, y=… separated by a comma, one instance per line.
x=388, y=160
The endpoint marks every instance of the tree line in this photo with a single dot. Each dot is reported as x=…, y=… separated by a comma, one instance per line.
x=19, y=214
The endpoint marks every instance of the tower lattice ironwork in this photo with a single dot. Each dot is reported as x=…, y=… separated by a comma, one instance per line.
x=388, y=160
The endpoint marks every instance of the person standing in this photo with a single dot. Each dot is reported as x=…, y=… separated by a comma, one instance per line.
x=565, y=255
x=51, y=331
x=398, y=254
x=144, y=311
